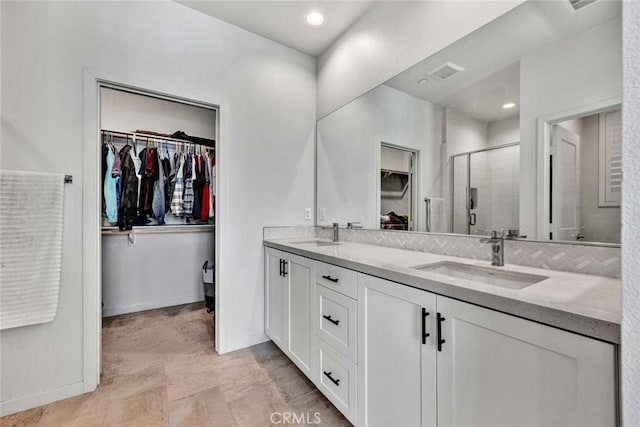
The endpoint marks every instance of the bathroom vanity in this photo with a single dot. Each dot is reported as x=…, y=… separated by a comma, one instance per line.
x=404, y=338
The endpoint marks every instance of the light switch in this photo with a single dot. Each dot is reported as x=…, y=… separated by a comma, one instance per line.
x=323, y=213
x=307, y=214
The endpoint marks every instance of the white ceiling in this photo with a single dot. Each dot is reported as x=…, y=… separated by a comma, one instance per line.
x=483, y=100
x=491, y=55
x=285, y=21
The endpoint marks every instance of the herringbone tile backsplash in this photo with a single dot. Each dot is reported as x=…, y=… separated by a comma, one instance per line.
x=597, y=260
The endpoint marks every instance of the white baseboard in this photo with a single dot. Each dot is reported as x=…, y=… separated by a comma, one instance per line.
x=243, y=342
x=39, y=399
x=150, y=305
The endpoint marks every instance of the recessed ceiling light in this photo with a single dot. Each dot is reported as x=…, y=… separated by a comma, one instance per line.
x=315, y=19
x=508, y=105
x=423, y=81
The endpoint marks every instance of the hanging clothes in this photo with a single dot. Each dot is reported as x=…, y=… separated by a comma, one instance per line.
x=204, y=214
x=178, y=184
x=157, y=205
x=198, y=184
x=187, y=198
x=111, y=190
x=128, y=210
x=212, y=199
x=149, y=171
x=165, y=164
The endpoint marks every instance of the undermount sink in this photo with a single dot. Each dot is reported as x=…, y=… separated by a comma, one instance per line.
x=485, y=275
x=316, y=243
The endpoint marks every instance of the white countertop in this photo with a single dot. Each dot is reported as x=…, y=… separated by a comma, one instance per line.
x=585, y=304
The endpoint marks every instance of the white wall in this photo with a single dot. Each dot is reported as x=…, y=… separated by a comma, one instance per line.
x=269, y=94
x=160, y=270
x=126, y=112
x=503, y=131
x=630, y=215
x=349, y=150
x=581, y=70
x=392, y=37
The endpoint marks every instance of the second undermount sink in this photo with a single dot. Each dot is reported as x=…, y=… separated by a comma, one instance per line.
x=316, y=243
x=485, y=275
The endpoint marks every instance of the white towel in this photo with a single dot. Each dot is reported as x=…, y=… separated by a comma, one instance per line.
x=31, y=218
x=437, y=215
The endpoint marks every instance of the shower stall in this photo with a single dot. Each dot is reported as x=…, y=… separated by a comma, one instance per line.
x=485, y=190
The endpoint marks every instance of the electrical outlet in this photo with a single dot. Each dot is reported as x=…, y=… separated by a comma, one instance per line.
x=307, y=214
x=323, y=213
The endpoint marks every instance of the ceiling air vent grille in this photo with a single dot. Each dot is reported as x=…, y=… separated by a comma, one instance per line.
x=579, y=4
x=445, y=71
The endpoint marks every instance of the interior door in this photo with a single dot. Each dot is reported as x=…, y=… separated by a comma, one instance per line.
x=497, y=370
x=396, y=366
x=274, y=294
x=565, y=184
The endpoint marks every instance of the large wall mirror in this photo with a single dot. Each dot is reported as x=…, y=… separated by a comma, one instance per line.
x=516, y=127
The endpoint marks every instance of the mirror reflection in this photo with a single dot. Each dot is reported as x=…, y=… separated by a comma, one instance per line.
x=516, y=128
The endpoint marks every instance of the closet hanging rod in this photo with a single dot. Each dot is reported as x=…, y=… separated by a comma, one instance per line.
x=153, y=137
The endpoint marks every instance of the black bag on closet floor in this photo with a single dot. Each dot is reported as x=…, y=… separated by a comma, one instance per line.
x=208, y=285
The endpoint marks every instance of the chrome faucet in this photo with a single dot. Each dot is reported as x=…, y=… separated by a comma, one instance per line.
x=497, y=248
x=336, y=231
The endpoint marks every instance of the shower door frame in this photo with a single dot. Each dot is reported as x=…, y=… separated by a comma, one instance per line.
x=468, y=154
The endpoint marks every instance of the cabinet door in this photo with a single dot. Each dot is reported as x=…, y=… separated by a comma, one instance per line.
x=274, y=297
x=299, y=272
x=498, y=370
x=396, y=370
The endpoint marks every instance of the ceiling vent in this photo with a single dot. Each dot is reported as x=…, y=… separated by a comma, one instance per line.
x=445, y=71
x=579, y=4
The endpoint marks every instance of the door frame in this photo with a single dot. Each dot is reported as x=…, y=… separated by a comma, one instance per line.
x=414, y=182
x=93, y=80
x=544, y=127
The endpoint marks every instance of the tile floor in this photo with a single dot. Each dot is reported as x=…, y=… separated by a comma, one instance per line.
x=159, y=369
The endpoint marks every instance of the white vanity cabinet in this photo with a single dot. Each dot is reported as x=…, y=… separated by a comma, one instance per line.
x=387, y=354
x=289, y=294
x=499, y=370
x=396, y=355
x=489, y=370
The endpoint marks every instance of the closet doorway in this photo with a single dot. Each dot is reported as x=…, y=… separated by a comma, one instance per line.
x=397, y=187
x=158, y=224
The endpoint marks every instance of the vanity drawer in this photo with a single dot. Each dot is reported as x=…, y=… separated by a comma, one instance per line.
x=336, y=379
x=337, y=320
x=337, y=278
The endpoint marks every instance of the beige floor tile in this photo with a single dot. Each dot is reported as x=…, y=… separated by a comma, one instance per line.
x=290, y=381
x=315, y=402
x=256, y=408
x=149, y=408
x=25, y=418
x=205, y=409
x=269, y=356
x=159, y=368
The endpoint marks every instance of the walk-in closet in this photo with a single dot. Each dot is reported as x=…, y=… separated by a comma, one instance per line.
x=158, y=203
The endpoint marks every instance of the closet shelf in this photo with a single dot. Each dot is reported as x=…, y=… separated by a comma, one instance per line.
x=195, y=228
